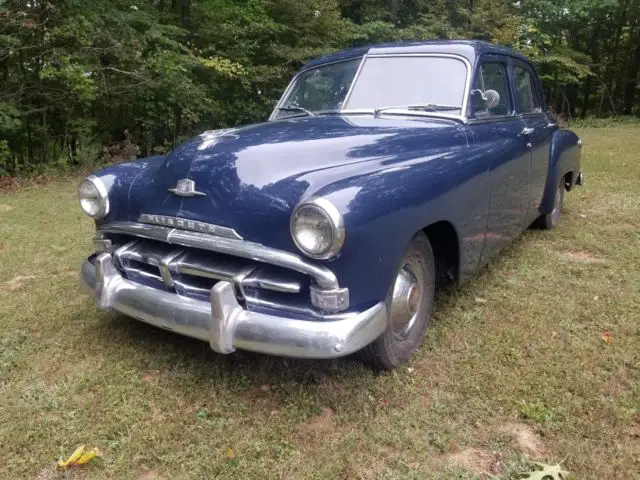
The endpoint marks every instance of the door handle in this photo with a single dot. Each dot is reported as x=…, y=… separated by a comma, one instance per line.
x=528, y=130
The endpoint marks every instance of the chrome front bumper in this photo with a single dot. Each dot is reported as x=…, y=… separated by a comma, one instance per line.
x=225, y=324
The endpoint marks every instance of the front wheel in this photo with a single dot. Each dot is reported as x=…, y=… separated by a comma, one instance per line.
x=409, y=304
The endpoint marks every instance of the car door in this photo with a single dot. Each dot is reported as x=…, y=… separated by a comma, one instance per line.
x=538, y=132
x=497, y=133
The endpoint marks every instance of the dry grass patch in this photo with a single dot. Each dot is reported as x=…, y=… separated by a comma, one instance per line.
x=479, y=461
x=580, y=257
x=15, y=283
x=528, y=441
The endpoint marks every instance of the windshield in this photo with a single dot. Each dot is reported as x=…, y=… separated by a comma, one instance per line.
x=399, y=81
x=319, y=89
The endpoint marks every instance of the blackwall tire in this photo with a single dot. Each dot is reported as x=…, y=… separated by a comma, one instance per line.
x=550, y=220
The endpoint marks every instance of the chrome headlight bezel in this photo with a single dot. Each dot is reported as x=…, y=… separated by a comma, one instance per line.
x=101, y=197
x=332, y=215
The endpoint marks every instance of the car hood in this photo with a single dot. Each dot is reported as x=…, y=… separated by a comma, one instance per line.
x=253, y=176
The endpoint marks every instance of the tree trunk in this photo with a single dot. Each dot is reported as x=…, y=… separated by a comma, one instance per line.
x=588, y=84
x=632, y=76
x=609, y=76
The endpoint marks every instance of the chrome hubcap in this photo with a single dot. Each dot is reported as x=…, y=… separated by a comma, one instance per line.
x=406, y=301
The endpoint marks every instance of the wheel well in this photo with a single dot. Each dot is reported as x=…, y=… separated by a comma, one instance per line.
x=446, y=251
x=568, y=181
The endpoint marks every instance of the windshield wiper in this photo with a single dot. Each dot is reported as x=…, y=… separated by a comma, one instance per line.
x=295, y=108
x=427, y=107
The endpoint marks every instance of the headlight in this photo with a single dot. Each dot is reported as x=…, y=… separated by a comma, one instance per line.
x=317, y=228
x=93, y=197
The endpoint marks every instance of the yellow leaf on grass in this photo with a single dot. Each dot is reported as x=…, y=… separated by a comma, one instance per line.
x=72, y=459
x=88, y=456
x=79, y=457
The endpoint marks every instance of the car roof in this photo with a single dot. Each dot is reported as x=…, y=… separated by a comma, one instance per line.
x=470, y=49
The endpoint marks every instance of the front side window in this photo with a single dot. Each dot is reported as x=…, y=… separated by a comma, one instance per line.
x=490, y=92
x=525, y=91
x=398, y=82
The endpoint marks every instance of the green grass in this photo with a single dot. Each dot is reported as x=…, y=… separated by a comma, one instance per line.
x=517, y=349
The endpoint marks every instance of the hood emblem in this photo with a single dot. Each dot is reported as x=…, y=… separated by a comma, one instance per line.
x=186, y=188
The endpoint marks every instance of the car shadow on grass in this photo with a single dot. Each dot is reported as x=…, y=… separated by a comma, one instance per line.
x=158, y=348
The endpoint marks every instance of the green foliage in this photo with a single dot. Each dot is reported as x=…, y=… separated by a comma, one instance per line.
x=537, y=412
x=5, y=158
x=153, y=72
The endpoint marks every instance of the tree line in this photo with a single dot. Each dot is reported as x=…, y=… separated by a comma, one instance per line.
x=87, y=79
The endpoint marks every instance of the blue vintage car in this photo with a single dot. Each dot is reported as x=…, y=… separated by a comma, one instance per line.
x=382, y=173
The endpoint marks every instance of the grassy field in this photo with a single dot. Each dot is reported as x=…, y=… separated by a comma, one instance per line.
x=538, y=357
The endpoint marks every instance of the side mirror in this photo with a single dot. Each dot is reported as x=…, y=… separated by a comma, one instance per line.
x=477, y=100
x=484, y=100
x=491, y=98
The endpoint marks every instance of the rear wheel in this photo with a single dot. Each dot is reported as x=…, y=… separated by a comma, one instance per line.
x=550, y=220
x=409, y=304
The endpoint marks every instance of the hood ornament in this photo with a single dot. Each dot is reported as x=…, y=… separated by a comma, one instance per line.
x=186, y=188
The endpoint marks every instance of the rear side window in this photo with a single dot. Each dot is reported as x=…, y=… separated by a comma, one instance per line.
x=525, y=91
x=491, y=76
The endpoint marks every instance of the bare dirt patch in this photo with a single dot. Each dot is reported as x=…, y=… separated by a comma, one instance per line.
x=48, y=473
x=479, y=461
x=580, y=257
x=149, y=475
x=151, y=376
x=634, y=434
x=5, y=208
x=318, y=425
x=262, y=400
x=618, y=385
x=528, y=440
x=15, y=283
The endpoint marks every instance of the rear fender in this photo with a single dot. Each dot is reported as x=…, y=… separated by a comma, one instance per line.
x=564, y=157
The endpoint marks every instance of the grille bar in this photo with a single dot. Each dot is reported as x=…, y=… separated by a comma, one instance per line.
x=177, y=268
x=323, y=277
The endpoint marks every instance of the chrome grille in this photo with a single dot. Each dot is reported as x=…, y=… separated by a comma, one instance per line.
x=193, y=273
x=279, y=270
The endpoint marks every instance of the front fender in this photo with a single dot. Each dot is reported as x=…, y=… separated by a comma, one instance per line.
x=382, y=210
x=564, y=157
x=118, y=180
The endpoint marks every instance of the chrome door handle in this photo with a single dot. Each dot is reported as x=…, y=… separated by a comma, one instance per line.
x=528, y=130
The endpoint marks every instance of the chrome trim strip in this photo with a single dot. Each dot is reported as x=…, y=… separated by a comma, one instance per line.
x=323, y=277
x=186, y=224
x=354, y=80
x=225, y=324
x=274, y=285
